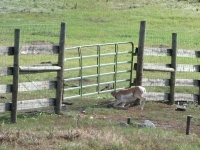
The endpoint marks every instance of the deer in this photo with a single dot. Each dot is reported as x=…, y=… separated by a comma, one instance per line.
x=127, y=96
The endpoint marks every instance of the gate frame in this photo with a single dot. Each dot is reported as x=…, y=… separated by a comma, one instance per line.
x=98, y=55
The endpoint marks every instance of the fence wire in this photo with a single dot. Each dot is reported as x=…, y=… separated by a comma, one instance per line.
x=30, y=36
x=163, y=38
x=48, y=34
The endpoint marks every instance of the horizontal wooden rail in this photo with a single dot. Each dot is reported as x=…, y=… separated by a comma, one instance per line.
x=39, y=68
x=168, y=52
x=29, y=86
x=166, y=67
x=4, y=71
x=166, y=82
x=32, y=49
x=158, y=96
x=29, y=104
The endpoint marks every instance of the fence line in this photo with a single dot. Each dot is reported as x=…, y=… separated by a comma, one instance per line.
x=58, y=84
x=172, y=68
x=16, y=70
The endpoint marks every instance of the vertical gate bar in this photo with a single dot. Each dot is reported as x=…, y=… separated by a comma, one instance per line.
x=15, y=76
x=116, y=56
x=79, y=54
x=59, y=88
x=80, y=71
x=98, y=67
x=140, y=57
x=131, y=73
x=173, y=65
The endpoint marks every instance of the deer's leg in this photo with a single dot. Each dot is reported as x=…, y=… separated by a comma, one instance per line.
x=131, y=102
x=117, y=103
x=142, y=102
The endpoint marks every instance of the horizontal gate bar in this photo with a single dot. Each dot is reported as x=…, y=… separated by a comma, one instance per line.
x=94, y=66
x=88, y=94
x=94, y=56
x=96, y=75
x=93, y=85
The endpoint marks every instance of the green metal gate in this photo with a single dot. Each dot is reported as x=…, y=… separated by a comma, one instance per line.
x=88, y=68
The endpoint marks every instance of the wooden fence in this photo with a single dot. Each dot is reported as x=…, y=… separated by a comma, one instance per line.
x=56, y=101
x=16, y=70
x=172, y=68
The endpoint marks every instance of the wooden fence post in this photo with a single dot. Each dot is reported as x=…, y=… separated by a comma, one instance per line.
x=140, y=56
x=15, y=77
x=173, y=65
x=59, y=87
x=189, y=118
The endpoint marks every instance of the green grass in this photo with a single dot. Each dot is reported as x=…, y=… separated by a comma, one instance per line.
x=89, y=123
x=98, y=128
x=96, y=21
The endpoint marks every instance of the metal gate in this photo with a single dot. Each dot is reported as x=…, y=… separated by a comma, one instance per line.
x=88, y=68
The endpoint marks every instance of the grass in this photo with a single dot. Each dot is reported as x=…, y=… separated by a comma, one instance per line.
x=98, y=128
x=89, y=123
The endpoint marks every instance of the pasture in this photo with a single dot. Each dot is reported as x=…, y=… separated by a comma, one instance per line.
x=89, y=123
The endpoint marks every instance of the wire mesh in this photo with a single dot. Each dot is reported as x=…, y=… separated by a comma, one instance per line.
x=187, y=40
x=34, y=37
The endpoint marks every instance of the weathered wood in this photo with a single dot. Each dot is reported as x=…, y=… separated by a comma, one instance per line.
x=187, y=82
x=173, y=65
x=157, y=52
x=140, y=55
x=53, y=49
x=39, y=68
x=6, y=50
x=186, y=97
x=188, y=68
x=39, y=49
x=4, y=71
x=30, y=50
x=188, y=53
x=168, y=52
x=36, y=103
x=49, y=85
x=59, y=89
x=29, y=86
x=29, y=104
x=153, y=68
x=5, y=107
x=162, y=67
x=15, y=77
x=155, y=82
x=5, y=88
x=158, y=96
x=156, y=67
x=189, y=118
x=165, y=82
